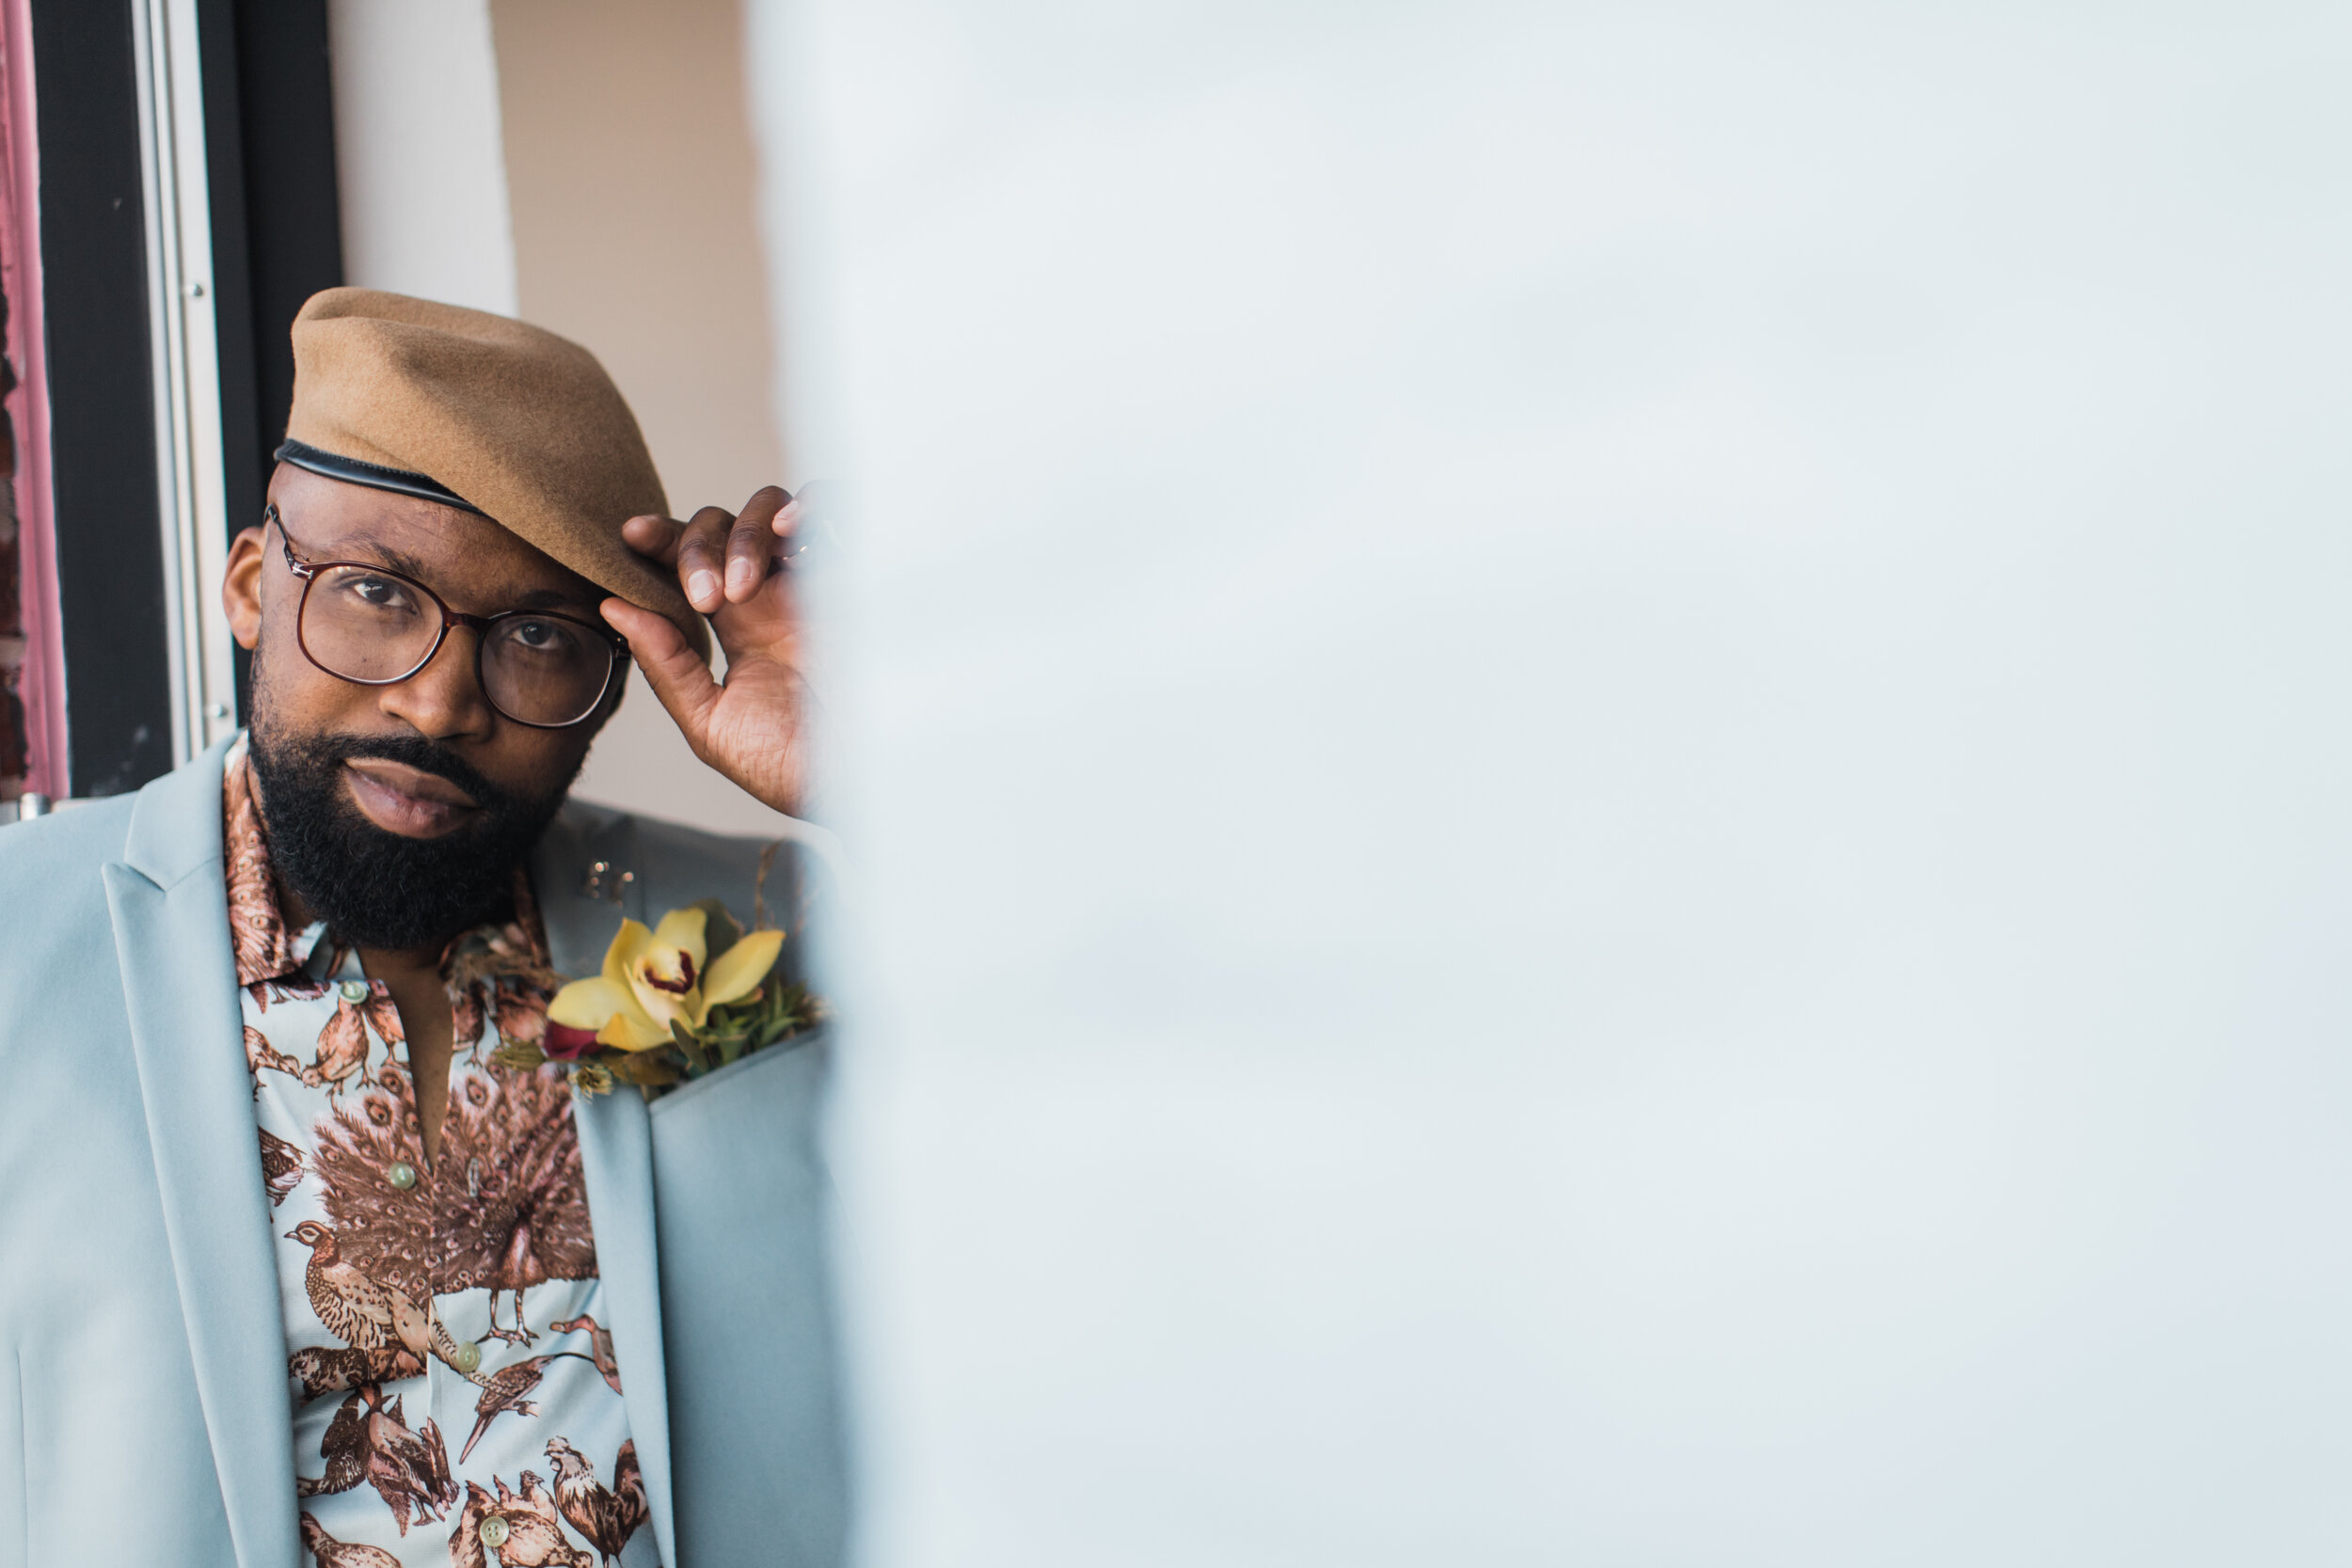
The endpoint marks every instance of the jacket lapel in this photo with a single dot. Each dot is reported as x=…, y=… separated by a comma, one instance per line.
x=616, y=1158
x=169, y=899
x=615, y=1154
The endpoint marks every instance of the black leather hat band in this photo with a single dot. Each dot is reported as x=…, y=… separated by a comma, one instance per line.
x=373, y=475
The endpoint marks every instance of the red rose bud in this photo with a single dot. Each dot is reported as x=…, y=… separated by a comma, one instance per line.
x=563, y=1043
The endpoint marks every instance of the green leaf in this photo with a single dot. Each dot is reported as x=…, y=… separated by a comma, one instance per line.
x=719, y=931
x=690, y=1047
x=646, y=1068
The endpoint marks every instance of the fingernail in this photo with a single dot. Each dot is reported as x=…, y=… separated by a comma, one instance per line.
x=703, y=585
x=739, y=576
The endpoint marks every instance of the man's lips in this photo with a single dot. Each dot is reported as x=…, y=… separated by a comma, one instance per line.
x=406, y=800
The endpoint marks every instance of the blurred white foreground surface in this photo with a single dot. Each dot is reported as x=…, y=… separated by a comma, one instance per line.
x=1601, y=771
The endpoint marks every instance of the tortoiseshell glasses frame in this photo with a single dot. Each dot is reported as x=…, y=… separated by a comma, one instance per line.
x=366, y=623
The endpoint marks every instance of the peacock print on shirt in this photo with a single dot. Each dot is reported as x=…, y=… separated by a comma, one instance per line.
x=456, y=1400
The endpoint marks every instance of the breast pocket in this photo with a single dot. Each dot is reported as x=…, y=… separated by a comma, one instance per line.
x=741, y=1210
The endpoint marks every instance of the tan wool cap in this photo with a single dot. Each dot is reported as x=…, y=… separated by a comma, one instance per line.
x=522, y=424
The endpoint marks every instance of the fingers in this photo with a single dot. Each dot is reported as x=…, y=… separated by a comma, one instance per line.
x=677, y=676
x=751, y=543
x=655, y=537
x=701, y=557
x=719, y=558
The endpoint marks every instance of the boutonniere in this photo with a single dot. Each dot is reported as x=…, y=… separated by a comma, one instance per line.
x=685, y=998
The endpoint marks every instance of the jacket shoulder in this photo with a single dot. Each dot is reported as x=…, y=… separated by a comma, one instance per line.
x=650, y=851
x=55, y=923
x=59, y=856
x=597, y=863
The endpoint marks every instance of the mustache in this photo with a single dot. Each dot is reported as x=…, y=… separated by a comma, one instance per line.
x=425, y=756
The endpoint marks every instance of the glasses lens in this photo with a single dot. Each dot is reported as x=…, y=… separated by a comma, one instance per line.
x=367, y=626
x=544, y=670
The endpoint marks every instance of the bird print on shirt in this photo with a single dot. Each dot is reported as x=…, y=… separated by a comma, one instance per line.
x=332, y=1553
x=385, y=1228
x=292, y=987
x=363, y=1312
x=529, y=1531
x=282, y=1165
x=521, y=1020
x=468, y=1014
x=465, y=1542
x=599, y=1345
x=606, y=1518
x=536, y=1531
x=346, y=1449
x=507, y=1209
x=382, y=1015
x=506, y=1389
x=368, y=1440
x=521, y=1211
x=322, y=1372
x=260, y=1053
x=342, y=1052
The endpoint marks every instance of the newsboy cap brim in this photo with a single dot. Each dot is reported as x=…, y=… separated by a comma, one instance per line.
x=501, y=418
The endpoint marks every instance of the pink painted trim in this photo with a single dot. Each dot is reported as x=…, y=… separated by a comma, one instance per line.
x=42, y=686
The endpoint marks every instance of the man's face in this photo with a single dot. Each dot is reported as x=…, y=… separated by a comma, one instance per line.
x=397, y=813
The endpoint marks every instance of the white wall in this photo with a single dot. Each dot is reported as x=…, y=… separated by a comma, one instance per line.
x=1599, y=753
x=421, y=175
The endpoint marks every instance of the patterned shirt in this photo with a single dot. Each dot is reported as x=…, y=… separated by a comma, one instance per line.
x=443, y=1347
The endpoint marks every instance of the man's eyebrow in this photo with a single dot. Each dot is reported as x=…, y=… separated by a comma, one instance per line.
x=399, y=560
x=537, y=599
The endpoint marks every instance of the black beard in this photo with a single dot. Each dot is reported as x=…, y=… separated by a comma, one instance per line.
x=379, y=889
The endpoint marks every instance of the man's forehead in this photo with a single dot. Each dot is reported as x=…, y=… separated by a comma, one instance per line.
x=453, y=550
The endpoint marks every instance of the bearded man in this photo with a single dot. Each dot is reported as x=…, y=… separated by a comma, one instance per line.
x=320, y=1241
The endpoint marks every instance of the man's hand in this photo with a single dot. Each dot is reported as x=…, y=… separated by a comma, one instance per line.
x=733, y=570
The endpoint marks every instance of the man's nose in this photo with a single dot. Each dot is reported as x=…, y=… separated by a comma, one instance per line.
x=444, y=701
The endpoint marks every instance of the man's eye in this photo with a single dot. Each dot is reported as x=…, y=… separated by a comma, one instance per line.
x=548, y=639
x=377, y=592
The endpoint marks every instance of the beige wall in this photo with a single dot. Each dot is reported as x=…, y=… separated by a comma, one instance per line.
x=418, y=162
x=633, y=186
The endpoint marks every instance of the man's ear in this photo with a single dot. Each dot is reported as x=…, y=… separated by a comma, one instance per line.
x=241, y=589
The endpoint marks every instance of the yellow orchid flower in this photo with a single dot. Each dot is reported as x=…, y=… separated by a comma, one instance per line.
x=653, y=979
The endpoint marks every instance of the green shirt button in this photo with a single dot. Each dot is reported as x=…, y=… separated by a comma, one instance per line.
x=354, y=990
x=494, y=1532
x=466, y=1358
x=401, y=1174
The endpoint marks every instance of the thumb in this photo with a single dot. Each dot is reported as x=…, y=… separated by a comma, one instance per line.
x=677, y=674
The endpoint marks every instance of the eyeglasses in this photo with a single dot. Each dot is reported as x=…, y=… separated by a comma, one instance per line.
x=373, y=626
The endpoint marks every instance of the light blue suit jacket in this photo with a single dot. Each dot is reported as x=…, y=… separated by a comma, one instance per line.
x=143, y=1395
